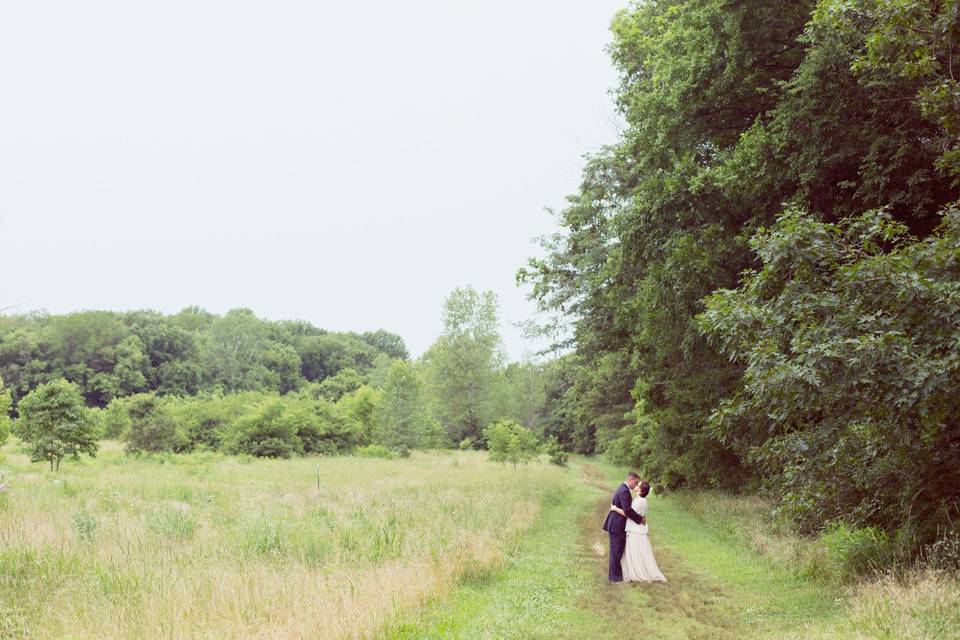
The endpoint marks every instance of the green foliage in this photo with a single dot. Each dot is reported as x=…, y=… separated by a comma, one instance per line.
x=852, y=553
x=401, y=419
x=386, y=343
x=4, y=413
x=374, y=451
x=151, y=427
x=323, y=427
x=115, y=355
x=848, y=407
x=519, y=391
x=54, y=423
x=558, y=455
x=361, y=407
x=269, y=431
x=825, y=375
x=509, y=441
x=462, y=365
x=114, y=420
x=337, y=386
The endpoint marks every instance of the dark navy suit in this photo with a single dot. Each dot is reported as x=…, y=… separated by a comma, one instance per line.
x=615, y=525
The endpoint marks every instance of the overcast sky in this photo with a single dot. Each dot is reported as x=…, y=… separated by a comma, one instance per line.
x=345, y=163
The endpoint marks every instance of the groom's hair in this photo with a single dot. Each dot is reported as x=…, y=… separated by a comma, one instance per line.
x=633, y=474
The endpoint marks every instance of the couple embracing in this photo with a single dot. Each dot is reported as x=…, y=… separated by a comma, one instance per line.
x=631, y=556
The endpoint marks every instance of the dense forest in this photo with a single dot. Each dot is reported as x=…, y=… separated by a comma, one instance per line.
x=758, y=284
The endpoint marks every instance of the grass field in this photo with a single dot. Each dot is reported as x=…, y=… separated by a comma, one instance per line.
x=210, y=547
x=441, y=545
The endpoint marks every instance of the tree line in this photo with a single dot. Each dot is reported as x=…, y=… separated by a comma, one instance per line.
x=111, y=355
x=242, y=385
x=757, y=285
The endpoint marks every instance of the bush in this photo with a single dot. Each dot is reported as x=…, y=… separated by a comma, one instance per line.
x=848, y=338
x=852, y=552
x=374, y=451
x=5, y=399
x=323, y=427
x=206, y=419
x=944, y=554
x=266, y=432
x=558, y=455
x=114, y=420
x=151, y=429
x=509, y=441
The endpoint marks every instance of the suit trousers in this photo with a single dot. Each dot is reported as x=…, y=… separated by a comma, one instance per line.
x=618, y=542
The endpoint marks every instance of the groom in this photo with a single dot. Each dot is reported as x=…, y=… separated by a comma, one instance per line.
x=615, y=524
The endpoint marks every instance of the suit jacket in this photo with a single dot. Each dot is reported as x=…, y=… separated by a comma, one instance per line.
x=616, y=523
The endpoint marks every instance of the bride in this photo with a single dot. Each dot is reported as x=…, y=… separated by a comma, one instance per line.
x=638, y=562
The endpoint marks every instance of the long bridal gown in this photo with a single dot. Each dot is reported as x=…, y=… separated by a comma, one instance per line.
x=638, y=563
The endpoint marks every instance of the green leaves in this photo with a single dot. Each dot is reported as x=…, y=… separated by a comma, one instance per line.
x=509, y=442
x=851, y=362
x=54, y=423
x=462, y=366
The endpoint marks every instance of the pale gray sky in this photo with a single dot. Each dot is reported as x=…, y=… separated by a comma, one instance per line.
x=346, y=163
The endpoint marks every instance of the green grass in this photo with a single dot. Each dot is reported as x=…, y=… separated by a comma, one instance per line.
x=443, y=545
x=554, y=583
x=536, y=593
x=214, y=546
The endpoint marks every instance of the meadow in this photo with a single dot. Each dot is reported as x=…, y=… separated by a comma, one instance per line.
x=440, y=545
x=206, y=546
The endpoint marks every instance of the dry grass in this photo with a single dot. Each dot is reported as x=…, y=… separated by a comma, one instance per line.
x=212, y=547
x=924, y=606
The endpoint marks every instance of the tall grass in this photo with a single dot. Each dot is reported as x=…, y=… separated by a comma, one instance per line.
x=888, y=596
x=212, y=547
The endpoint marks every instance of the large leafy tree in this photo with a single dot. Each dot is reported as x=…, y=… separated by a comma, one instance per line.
x=463, y=363
x=55, y=423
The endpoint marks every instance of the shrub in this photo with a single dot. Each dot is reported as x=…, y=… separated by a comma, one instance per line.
x=944, y=554
x=847, y=334
x=852, y=552
x=558, y=455
x=152, y=429
x=114, y=420
x=4, y=413
x=374, y=451
x=266, y=432
x=509, y=441
x=322, y=426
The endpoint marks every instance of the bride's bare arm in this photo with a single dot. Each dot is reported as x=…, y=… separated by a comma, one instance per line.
x=614, y=507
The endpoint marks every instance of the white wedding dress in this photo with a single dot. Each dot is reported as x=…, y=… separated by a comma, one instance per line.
x=638, y=563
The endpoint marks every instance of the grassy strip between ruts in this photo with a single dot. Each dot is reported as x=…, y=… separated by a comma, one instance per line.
x=553, y=584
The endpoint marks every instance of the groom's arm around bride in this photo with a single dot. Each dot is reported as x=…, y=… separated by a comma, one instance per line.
x=615, y=524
